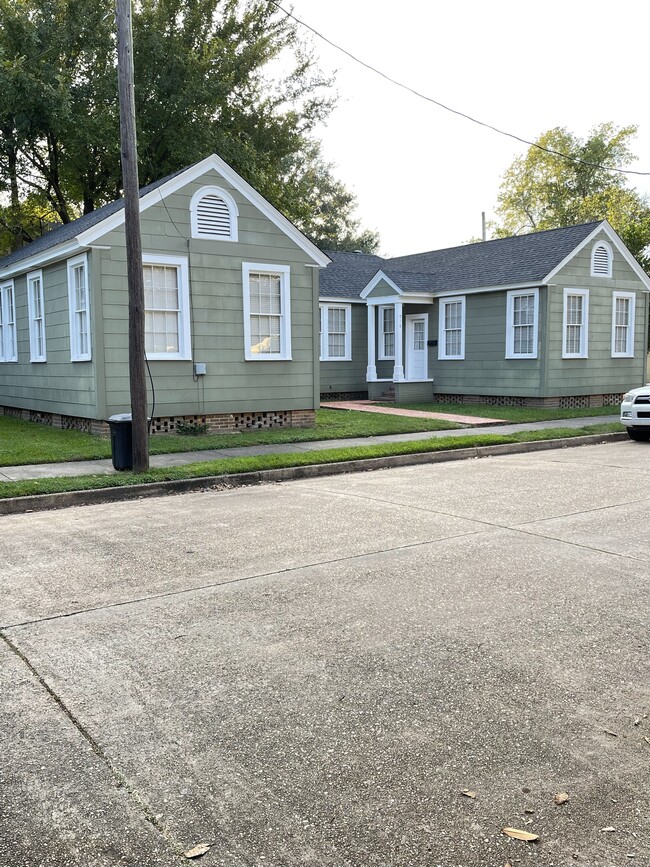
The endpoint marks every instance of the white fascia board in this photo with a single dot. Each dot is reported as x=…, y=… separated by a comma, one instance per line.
x=504, y=288
x=402, y=298
x=176, y=183
x=379, y=276
x=331, y=299
x=52, y=254
x=617, y=242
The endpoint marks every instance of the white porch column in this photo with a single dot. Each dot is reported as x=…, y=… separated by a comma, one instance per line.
x=371, y=370
x=398, y=370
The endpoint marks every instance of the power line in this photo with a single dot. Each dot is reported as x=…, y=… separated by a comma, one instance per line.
x=447, y=107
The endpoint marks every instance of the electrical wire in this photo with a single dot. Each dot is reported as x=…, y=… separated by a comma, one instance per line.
x=449, y=108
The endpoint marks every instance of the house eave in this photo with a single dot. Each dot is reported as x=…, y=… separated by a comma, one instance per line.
x=52, y=254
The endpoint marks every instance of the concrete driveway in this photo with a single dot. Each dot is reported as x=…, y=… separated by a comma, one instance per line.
x=312, y=673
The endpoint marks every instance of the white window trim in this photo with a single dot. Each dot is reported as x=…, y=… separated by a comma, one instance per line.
x=324, y=333
x=184, y=331
x=629, y=352
x=282, y=271
x=584, y=341
x=75, y=354
x=381, y=356
x=510, y=323
x=609, y=259
x=232, y=210
x=33, y=343
x=442, y=343
x=7, y=289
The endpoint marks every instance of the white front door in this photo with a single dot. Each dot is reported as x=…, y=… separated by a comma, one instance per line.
x=417, y=366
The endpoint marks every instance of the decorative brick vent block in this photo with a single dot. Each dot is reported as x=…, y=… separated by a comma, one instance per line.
x=344, y=395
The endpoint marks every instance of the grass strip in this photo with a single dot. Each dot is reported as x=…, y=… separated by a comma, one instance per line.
x=515, y=414
x=24, y=442
x=229, y=466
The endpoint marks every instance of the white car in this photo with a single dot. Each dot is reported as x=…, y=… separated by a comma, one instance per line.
x=635, y=412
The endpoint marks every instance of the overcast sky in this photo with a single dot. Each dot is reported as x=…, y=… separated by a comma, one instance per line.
x=422, y=175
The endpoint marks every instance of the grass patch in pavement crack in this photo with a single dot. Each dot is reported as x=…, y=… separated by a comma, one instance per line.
x=230, y=466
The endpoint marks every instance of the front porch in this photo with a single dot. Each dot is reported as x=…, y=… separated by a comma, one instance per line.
x=398, y=350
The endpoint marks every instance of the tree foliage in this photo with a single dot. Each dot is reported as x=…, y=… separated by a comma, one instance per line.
x=543, y=191
x=208, y=78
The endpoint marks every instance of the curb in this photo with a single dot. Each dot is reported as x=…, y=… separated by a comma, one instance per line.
x=46, y=502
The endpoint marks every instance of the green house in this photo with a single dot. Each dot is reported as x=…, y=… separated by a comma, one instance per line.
x=551, y=318
x=231, y=298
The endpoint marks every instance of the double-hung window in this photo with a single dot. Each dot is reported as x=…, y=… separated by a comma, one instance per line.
x=166, y=307
x=35, y=306
x=522, y=316
x=575, y=323
x=267, y=312
x=79, y=309
x=451, y=329
x=8, y=345
x=335, y=332
x=386, y=333
x=623, y=325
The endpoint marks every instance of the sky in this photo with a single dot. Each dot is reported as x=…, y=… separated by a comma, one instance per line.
x=421, y=175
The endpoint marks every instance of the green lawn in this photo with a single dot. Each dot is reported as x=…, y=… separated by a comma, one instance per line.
x=23, y=442
x=517, y=414
x=226, y=466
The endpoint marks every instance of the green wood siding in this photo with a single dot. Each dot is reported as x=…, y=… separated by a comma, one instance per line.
x=485, y=369
x=232, y=384
x=57, y=385
x=337, y=376
x=599, y=373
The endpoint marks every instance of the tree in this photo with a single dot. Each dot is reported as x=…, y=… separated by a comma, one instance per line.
x=544, y=191
x=208, y=79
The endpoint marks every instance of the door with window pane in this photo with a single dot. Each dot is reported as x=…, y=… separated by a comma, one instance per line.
x=416, y=348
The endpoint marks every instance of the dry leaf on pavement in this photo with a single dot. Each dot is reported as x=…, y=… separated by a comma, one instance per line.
x=519, y=835
x=608, y=830
x=468, y=793
x=198, y=850
x=561, y=798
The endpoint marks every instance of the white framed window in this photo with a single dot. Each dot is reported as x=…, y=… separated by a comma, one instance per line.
x=575, y=323
x=451, y=329
x=386, y=333
x=214, y=214
x=267, y=312
x=335, y=332
x=166, y=308
x=79, y=309
x=601, y=260
x=623, y=304
x=522, y=317
x=8, y=344
x=36, y=308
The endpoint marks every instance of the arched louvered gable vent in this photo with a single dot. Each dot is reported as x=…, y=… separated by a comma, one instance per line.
x=214, y=215
x=601, y=260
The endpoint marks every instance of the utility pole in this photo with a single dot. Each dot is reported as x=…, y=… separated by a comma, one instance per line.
x=129, y=150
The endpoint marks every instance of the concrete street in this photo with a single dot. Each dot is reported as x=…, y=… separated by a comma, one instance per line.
x=312, y=672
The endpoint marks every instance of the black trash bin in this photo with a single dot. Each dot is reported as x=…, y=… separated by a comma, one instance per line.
x=121, y=440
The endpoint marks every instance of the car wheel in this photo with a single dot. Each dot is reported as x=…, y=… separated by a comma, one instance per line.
x=639, y=435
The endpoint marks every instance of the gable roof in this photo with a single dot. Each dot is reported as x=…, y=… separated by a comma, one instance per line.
x=348, y=274
x=517, y=261
x=80, y=233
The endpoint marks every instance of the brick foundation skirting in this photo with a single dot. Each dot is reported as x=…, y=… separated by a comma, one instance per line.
x=344, y=395
x=575, y=401
x=227, y=422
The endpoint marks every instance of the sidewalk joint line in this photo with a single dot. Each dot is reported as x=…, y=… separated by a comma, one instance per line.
x=120, y=780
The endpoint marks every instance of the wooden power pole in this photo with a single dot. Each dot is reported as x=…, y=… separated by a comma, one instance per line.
x=137, y=376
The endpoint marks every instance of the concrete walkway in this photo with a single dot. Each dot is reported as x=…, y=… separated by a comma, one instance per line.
x=105, y=467
x=371, y=406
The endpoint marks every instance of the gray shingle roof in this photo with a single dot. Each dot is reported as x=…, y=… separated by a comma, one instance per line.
x=502, y=262
x=348, y=274
x=68, y=231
